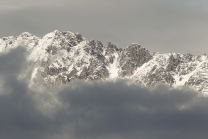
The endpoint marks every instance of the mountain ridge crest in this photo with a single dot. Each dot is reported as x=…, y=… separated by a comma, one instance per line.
x=62, y=57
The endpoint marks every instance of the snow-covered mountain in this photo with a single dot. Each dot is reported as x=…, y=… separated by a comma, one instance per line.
x=62, y=57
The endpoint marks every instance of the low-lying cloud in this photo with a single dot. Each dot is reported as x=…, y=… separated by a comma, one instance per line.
x=103, y=109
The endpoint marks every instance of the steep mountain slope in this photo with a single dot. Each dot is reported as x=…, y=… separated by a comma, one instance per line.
x=61, y=57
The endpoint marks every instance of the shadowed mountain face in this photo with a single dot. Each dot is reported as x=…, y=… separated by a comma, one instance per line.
x=62, y=57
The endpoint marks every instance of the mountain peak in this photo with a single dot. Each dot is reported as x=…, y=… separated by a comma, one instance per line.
x=26, y=34
x=62, y=57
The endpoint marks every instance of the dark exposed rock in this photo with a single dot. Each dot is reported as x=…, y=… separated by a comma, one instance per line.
x=133, y=57
x=84, y=73
x=99, y=44
x=111, y=59
x=49, y=49
x=97, y=47
x=103, y=72
x=61, y=80
x=186, y=70
x=79, y=38
x=91, y=68
x=154, y=68
x=173, y=63
x=92, y=43
x=160, y=75
x=194, y=81
x=169, y=79
x=120, y=49
x=72, y=43
x=87, y=50
x=133, y=47
x=68, y=49
x=188, y=57
x=92, y=52
x=153, y=79
x=63, y=69
x=44, y=64
x=51, y=71
x=110, y=48
x=100, y=57
x=72, y=73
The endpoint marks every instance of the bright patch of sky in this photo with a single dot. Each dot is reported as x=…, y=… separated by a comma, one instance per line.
x=193, y=5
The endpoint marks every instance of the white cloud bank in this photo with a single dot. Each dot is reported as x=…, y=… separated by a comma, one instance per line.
x=97, y=110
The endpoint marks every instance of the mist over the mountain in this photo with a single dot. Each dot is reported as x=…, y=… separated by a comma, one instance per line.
x=102, y=109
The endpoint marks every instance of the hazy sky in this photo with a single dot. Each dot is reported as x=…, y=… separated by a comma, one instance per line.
x=158, y=25
x=99, y=110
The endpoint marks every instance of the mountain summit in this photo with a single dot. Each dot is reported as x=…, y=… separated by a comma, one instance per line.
x=61, y=57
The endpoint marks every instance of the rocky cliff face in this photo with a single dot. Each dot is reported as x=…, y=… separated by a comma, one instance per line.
x=62, y=57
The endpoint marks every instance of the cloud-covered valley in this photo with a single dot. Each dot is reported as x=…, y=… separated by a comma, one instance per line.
x=102, y=109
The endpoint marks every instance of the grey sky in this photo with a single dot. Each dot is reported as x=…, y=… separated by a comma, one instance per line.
x=158, y=25
x=112, y=110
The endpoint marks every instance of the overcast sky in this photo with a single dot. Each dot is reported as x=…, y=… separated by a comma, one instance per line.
x=158, y=25
x=99, y=110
